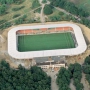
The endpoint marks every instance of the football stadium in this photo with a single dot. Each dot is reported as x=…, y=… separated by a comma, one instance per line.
x=26, y=42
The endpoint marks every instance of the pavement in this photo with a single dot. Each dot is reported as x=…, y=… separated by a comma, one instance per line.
x=71, y=85
x=53, y=76
x=85, y=83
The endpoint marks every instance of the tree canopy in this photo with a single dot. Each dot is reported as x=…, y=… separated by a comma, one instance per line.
x=86, y=68
x=48, y=10
x=63, y=79
x=35, y=4
x=44, y=1
x=2, y=9
x=70, y=7
x=10, y=1
x=76, y=71
x=23, y=79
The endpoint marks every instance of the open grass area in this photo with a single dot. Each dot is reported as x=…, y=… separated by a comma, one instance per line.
x=15, y=12
x=27, y=7
x=45, y=42
x=58, y=15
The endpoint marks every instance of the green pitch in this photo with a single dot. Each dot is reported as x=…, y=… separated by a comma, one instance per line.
x=45, y=42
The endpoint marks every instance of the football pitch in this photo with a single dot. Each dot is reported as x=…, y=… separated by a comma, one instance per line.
x=50, y=41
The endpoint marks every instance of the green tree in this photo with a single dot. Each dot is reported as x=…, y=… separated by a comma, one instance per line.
x=35, y=4
x=63, y=79
x=23, y=79
x=87, y=60
x=2, y=9
x=76, y=71
x=44, y=1
x=48, y=10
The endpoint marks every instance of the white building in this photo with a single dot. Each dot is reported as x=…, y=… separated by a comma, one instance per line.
x=51, y=64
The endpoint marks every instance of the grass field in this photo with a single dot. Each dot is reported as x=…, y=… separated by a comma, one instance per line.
x=45, y=42
x=27, y=8
x=13, y=13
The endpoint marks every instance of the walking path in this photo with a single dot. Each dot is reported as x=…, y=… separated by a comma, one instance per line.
x=21, y=15
x=71, y=85
x=64, y=11
x=53, y=79
x=85, y=83
x=42, y=17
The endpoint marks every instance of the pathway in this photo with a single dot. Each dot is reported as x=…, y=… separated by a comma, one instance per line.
x=42, y=17
x=20, y=15
x=85, y=83
x=62, y=10
x=71, y=85
x=53, y=79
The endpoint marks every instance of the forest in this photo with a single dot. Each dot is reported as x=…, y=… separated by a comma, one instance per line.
x=64, y=77
x=86, y=68
x=23, y=79
x=17, y=18
x=74, y=72
x=36, y=79
x=71, y=8
x=5, y=3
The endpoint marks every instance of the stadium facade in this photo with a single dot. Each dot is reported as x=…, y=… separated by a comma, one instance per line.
x=13, y=43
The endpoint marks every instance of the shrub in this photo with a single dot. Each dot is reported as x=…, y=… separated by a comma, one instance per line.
x=16, y=15
x=35, y=4
x=2, y=21
x=48, y=10
x=18, y=1
x=2, y=9
x=44, y=1
x=20, y=20
x=18, y=8
x=6, y=25
x=38, y=10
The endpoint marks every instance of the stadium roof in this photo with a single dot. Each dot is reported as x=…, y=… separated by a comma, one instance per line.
x=12, y=43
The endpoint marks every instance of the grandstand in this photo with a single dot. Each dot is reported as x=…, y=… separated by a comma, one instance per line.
x=45, y=40
x=60, y=40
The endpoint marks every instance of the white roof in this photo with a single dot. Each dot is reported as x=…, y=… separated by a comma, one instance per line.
x=12, y=43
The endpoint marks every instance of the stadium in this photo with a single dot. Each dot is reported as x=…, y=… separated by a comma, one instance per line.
x=26, y=42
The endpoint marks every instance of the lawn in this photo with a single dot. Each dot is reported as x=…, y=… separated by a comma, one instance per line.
x=15, y=12
x=11, y=13
x=45, y=42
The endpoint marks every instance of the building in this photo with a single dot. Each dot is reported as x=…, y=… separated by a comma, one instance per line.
x=14, y=34
x=53, y=65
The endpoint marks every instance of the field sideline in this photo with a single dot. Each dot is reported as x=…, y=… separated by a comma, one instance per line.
x=45, y=42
